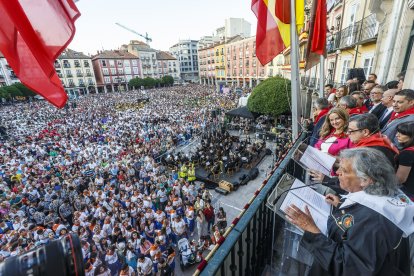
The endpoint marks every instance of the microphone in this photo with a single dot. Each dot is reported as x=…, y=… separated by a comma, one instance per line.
x=296, y=188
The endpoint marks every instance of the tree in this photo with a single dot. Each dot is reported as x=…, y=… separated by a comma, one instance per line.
x=4, y=94
x=270, y=97
x=167, y=80
x=136, y=83
x=24, y=90
x=149, y=82
x=13, y=91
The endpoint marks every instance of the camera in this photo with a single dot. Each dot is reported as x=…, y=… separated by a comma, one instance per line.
x=61, y=257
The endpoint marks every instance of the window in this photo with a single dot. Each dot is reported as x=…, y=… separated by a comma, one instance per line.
x=121, y=71
x=112, y=63
x=409, y=49
x=119, y=63
x=105, y=71
x=135, y=70
x=127, y=70
x=103, y=62
x=90, y=81
x=81, y=82
x=134, y=62
x=107, y=80
x=344, y=70
x=368, y=65
x=113, y=71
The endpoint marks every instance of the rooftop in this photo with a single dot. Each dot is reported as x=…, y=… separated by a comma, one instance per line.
x=69, y=53
x=114, y=54
x=161, y=55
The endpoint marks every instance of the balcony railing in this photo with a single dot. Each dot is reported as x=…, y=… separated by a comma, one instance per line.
x=66, y=65
x=247, y=248
x=86, y=64
x=69, y=75
x=361, y=32
x=57, y=65
x=79, y=74
x=88, y=74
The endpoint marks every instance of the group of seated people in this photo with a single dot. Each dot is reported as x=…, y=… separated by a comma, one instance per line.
x=371, y=134
x=219, y=152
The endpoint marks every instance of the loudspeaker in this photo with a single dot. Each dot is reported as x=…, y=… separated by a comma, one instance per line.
x=253, y=173
x=245, y=180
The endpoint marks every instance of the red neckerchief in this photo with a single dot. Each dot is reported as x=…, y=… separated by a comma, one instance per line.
x=377, y=140
x=364, y=108
x=409, y=148
x=339, y=136
x=394, y=115
x=355, y=111
x=321, y=114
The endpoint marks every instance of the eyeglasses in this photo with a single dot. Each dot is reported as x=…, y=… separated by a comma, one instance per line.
x=351, y=131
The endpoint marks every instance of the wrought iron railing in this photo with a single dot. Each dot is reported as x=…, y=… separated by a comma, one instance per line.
x=246, y=247
x=360, y=32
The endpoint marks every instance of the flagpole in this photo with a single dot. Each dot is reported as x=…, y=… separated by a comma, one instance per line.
x=294, y=61
x=321, y=75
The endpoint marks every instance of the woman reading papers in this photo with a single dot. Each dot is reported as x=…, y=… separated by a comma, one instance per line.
x=367, y=228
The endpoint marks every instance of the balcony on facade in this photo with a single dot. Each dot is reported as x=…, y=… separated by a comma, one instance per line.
x=89, y=74
x=86, y=64
x=363, y=31
x=69, y=75
x=66, y=65
x=77, y=64
x=71, y=84
x=79, y=74
x=57, y=65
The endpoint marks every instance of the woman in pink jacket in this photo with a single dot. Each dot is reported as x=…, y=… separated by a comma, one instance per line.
x=333, y=132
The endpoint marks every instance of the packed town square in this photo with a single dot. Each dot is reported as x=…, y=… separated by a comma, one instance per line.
x=94, y=168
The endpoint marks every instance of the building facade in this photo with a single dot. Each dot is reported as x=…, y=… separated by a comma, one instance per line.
x=168, y=66
x=394, y=52
x=243, y=69
x=114, y=69
x=147, y=56
x=7, y=75
x=186, y=52
x=76, y=73
x=237, y=26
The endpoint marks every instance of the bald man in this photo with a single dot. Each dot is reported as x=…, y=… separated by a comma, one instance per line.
x=387, y=101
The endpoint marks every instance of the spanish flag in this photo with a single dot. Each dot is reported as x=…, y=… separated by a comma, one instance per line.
x=273, y=26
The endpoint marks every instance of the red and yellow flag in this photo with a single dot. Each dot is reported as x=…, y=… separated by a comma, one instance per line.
x=273, y=26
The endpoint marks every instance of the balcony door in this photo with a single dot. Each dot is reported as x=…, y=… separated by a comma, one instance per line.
x=353, y=29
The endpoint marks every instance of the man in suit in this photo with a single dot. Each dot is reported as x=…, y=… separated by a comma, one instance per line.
x=368, y=86
x=403, y=104
x=387, y=101
x=322, y=108
x=375, y=95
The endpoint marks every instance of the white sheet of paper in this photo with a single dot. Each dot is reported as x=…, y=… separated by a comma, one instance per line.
x=316, y=203
x=317, y=160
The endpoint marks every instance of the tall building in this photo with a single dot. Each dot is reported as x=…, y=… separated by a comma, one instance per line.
x=147, y=55
x=237, y=26
x=168, y=65
x=7, y=76
x=186, y=52
x=114, y=69
x=75, y=72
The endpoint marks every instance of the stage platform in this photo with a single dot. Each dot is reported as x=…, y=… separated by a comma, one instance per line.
x=211, y=183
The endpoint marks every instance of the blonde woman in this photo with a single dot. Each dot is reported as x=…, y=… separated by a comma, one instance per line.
x=333, y=132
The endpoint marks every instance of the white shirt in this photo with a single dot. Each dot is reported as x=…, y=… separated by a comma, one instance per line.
x=146, y=266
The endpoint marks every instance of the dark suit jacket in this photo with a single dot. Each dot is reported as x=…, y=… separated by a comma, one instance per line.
x=384, y=121
x=378, y=110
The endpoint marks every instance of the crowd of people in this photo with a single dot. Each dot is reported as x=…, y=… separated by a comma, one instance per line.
x=94, y=169
x=371, y=186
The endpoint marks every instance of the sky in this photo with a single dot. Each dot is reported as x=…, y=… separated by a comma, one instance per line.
x=165, y=21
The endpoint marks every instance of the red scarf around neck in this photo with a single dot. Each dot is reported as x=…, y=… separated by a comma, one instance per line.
x=321, y=114
x=395, y=115
x=355, y=111
x=377, y=140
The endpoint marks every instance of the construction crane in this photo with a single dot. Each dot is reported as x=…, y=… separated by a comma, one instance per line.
x=146, y=37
